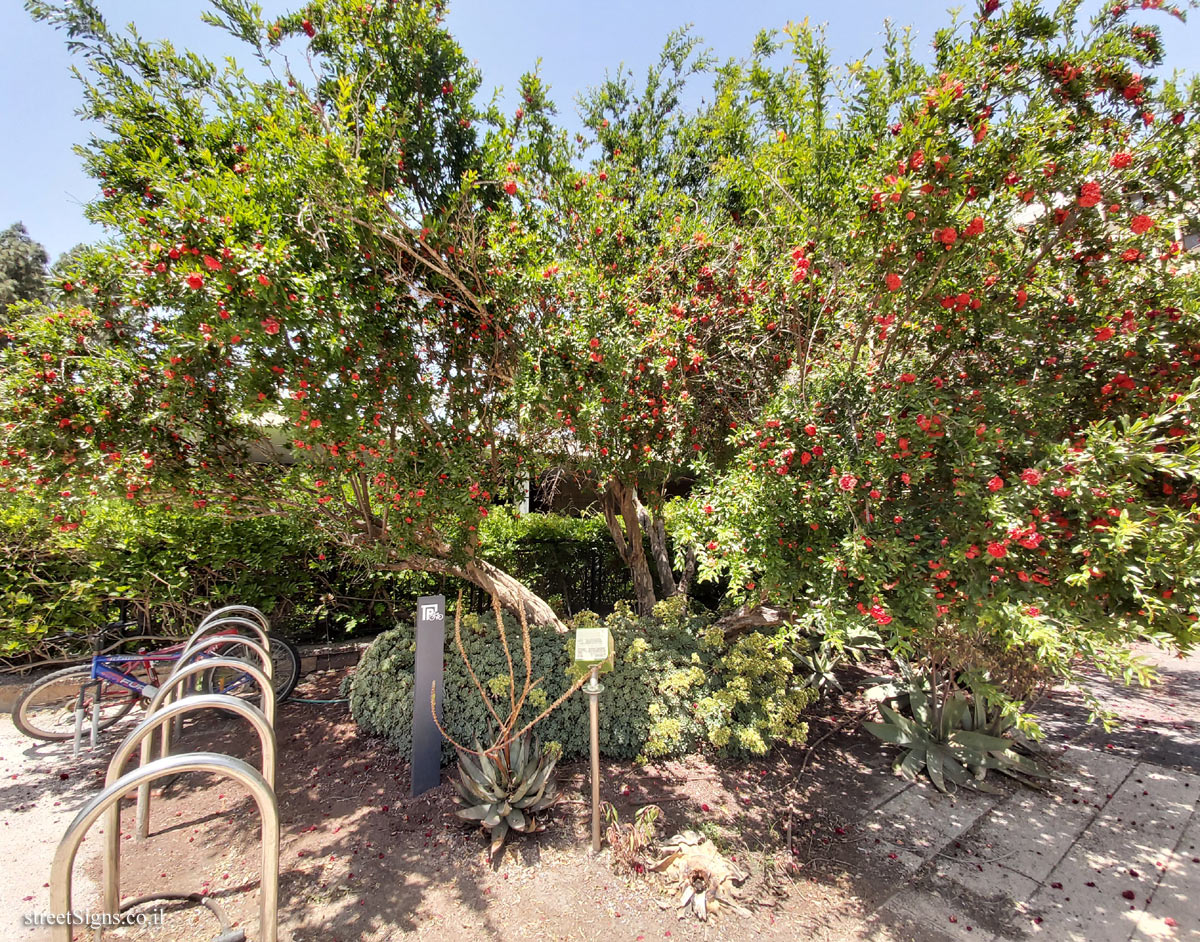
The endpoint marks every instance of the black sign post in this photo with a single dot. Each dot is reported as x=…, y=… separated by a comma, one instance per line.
x=426, y=737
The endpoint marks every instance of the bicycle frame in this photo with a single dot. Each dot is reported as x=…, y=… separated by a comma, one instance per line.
x=105, y=668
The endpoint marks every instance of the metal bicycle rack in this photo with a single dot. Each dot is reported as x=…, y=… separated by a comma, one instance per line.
x=213, y=623
x=253, y=671
x=236, y=769
x=202, y=644
x=160, y=703
x=211, y=626
x=237, y=610
x=166, y=708
x=142, y=736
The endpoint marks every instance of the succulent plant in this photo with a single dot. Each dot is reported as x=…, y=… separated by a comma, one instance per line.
x=507, y=789
x=954, y=737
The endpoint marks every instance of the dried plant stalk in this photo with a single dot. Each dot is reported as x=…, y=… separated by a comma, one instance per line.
x=505, y=736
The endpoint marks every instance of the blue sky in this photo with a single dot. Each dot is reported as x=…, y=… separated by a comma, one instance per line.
x=45, y=188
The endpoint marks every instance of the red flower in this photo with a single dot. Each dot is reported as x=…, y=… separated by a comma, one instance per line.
x=1090, y=194
x=879, y=613
x=211, y=263
x=1022, y=297
x=1104, y=333
x=1141, y=223
x=510, y=187
x=947, y=236
x=995, y=483
x=847, y=482
x=1031, y=476
x=908, y=377
x=997, y=550
x=810, y=429
x=894, y=281
x=195, y=280
x=270, y=325
x=308, y=28
x=1120, y=160
x=264, y=281
x=974, y=227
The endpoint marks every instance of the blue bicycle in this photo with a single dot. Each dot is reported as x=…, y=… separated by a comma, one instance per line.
x=112, y=684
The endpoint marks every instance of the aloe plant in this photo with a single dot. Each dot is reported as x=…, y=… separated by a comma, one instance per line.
x=823, y=652
x=956, y=740
x=507, y=789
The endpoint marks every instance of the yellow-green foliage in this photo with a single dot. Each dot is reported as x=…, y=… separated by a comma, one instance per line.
x=761, y=700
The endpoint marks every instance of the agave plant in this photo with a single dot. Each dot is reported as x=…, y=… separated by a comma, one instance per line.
x=955, y=738
x=823, y=652
x=506, y=790
x=506, y=785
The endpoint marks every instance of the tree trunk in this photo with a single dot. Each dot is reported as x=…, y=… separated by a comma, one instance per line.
x=684, y=585
x=658, y=546
x=512, y=594
x=753, y=616
x=617, y=498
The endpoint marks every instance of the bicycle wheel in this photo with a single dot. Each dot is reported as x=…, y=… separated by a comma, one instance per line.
x=285, y=666
x=46, y=709
x=285, y=671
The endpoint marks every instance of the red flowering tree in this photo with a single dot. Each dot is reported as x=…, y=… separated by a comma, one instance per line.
x=654, y=344
x=926, y=346
x=304, y=306
x=987, y=448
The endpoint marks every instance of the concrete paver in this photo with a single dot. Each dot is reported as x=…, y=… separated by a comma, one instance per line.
x=41, y=788
x=1177, y=896
x=916, y=823
x=1103, y=854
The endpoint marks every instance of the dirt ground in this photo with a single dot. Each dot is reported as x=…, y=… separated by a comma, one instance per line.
x=362, y=861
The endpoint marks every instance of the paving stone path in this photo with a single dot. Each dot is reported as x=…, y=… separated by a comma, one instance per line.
x=1109, y=853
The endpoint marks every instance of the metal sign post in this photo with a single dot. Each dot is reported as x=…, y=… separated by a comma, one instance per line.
x=594, y=651
x=430, y=661
x=593, y=688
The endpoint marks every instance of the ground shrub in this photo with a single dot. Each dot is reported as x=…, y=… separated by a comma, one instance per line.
x=676, y=686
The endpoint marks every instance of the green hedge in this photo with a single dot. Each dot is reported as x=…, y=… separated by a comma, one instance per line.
x=173, y=565
x=676, y=686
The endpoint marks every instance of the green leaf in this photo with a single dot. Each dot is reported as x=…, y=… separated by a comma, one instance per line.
x=910, y=764
x=499, y=833
x=888, y=733
x=934, y=758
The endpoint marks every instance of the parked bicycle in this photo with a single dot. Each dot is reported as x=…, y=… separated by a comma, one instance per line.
x=113, y=683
